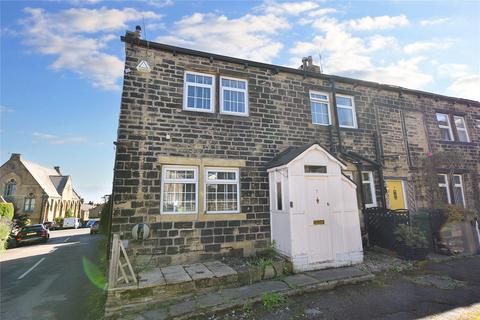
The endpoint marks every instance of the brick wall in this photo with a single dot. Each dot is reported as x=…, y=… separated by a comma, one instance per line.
x=279, y=117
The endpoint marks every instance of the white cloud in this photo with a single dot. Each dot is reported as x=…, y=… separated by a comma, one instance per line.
x=53, y=139
x=78, y=38
x=453, y=70
x=466, y=87
x=5, y=109
x=431, y=22
x=287, y=8
x=351, y=56
x=419, y=46
x=378, y=23
x=249, y=37
x=159, y=3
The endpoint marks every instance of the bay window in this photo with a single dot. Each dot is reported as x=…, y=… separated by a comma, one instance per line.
x=179, y=189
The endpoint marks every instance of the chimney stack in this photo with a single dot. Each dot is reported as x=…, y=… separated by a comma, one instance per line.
x=15, y=156
x=137, y=34
x=307, y=65
x=57, y=168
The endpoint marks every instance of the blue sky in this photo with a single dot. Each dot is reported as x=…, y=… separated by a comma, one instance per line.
x=62, y=61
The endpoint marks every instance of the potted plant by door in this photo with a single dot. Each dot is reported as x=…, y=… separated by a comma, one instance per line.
x=412, y=242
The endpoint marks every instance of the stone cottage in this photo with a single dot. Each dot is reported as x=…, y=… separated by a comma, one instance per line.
x=39, y=192
x=197, y=130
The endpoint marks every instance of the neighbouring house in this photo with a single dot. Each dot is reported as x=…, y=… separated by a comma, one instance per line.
x=95, y=212
x=39, y=192
x=198, y=133
x=85, y=210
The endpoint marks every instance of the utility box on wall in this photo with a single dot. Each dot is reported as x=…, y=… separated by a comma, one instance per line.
x=313, y=209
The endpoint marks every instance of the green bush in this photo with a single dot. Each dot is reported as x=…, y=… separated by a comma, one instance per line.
x=22, y=220
x=105, y=216
x=412, y=237
x=59, y=220
x=69, y=213
x=6, y=210
x=5, y=229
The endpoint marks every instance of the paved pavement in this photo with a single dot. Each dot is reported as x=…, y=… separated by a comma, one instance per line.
x=449, y=288
x=48, y=281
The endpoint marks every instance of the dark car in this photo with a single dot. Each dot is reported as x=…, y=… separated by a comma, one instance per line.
x=94, y=227
x=51, y=225
x=33, y=233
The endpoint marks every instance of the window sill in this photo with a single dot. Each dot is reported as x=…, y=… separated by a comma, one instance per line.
x=348, y=128
x=455, y=142
x=200, y=217
x=198, y=110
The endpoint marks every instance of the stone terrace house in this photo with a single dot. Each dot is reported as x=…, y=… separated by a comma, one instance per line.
x=41, y=193
x=197, y=130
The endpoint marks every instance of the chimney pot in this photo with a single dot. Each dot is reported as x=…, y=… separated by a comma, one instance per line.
x=15, y=156
x=57, y=168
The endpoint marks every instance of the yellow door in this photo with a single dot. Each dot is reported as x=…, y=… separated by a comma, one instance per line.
x=396, y=196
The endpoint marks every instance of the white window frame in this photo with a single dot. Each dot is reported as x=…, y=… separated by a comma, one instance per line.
x=210, y=86
x=164, y=181
x=464, y=129
x=352, y=108
x=449, y=126
x=222, y=88
x=327, y=101
x=372, y=188
x=236, y=182
x=445, y=185
x=455, y=185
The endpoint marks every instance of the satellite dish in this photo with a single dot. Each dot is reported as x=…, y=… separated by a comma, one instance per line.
x=143, y=66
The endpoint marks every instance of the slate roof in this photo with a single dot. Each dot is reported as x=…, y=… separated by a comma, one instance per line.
x=48, y=178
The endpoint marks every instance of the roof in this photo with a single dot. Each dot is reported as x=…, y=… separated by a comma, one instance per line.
x=48, y=178
x=277, y=68
x=291, y=153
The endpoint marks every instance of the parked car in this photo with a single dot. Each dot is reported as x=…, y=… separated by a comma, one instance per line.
x=91, y=222
x=51, y=225
x=94, y=228
x=71, y=223
x=33, y=233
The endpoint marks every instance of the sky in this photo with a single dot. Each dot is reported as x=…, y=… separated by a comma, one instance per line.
x=62, y=61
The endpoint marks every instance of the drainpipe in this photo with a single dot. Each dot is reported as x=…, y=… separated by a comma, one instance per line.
x=379, y=158
x=335, y=111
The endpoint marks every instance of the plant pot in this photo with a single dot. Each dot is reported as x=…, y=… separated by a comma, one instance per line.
x=411, y=253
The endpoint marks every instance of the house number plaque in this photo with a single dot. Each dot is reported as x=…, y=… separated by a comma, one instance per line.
x=317, y=222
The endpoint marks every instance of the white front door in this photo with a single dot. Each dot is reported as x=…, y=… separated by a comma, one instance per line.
x=318, y=220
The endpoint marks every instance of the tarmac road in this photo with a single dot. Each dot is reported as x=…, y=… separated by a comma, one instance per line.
x=48, y=281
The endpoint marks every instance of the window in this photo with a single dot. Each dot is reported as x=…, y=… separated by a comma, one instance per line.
x=315, y=169
x=368, y=189
x=458, y=190
x=445, y=127
x=29, y=203
x=279, y=194
x=179, y=189
x=10, y=188
x=198, y=92
x=346, y=112
x=461, y=129
x=222, y=190
x=320, y=108
x=233, y=96
x=443, y=188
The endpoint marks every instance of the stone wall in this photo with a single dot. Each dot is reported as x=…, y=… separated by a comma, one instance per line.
x=153, y=126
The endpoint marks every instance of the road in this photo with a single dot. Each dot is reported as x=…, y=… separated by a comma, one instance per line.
x=48, y=281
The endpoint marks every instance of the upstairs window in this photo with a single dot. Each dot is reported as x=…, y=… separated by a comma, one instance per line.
x=199, y=92
x=10, y=188
x=179, y=189
x=29, y=203
x=346, y=112
x=320, y=106
x=461, y=129
x=233, y=96
x=369, y=189
x=443, y=188
x=445, y=127
x=222, y=191
x=458, y=190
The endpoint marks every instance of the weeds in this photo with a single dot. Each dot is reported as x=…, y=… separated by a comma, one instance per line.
x=273, y=300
